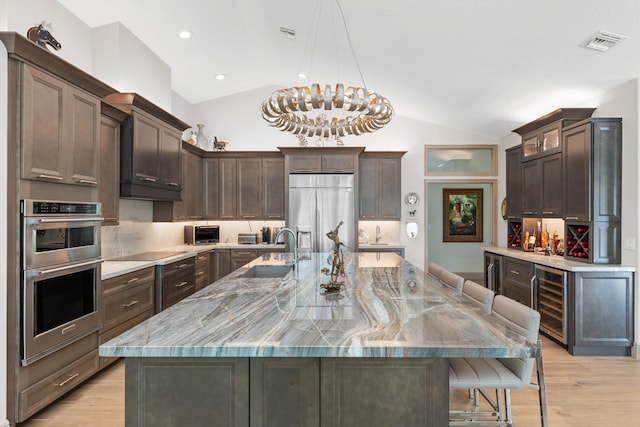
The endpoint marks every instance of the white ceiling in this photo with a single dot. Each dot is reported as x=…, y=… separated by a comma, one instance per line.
x=485, y=66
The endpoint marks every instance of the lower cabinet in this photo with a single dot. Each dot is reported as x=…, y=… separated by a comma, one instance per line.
x=601, y=319
x=240, y=257
x=222, y=263
x=49, y=378
x=202, y=270
x=517, y=280
x=174, y=282
x=126, y=301
x=227, y=260
x=399, y=251
x=599, y=304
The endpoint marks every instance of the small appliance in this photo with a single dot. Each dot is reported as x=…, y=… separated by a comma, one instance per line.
x=248, y=239
x=201, y=234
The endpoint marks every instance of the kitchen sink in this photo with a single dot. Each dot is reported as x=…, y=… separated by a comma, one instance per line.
x=267, y=271
x=378, y=243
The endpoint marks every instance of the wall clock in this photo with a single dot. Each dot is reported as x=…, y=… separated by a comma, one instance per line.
x=411, y=199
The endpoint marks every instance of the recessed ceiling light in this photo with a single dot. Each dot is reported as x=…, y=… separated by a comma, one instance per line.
x=184, y=34
x=302, y=75
x=221, y=76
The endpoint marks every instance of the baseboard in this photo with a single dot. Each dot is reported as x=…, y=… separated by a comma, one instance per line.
x=635, y=351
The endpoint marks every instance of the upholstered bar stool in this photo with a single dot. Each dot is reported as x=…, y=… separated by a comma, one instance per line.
x=478, y=294
x=502, y=374
x=434, y=270
x=452, y=280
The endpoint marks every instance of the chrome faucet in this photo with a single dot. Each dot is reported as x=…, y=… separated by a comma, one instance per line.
x=378, y=234
x=295, y=241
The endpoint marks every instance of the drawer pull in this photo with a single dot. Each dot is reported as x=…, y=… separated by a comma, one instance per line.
x=50, y=177
x=181, y=266
x=147, y=179
x=517, y=273
x=199, y=273
x=131, y=304
x=172, y=184
x=72, y=377
x=547, y=212
x=135, y=279
x=243, y=253
x=572, y=217
x=87, y=181
x=182, y=284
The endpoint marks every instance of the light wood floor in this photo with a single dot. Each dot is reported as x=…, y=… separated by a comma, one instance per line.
x=581, y=392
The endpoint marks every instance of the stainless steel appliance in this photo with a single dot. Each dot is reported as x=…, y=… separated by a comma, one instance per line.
x=248, y=239
x=201, y=234
x=61, y=274
x=317, y=204
x=551, y=301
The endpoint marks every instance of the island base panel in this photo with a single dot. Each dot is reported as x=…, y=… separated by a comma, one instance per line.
x=261, y=392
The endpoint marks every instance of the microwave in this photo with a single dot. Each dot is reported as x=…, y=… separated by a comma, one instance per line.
x=201, y=234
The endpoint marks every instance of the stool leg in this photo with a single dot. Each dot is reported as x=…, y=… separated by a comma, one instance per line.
x=542, y=389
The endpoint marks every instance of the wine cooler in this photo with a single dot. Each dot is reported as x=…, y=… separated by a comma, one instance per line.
x=551, y=302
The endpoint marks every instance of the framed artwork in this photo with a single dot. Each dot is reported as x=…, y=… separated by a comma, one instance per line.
x=462, y=215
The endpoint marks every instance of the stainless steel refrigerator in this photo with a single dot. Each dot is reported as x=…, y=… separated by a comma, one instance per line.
x=317, y=204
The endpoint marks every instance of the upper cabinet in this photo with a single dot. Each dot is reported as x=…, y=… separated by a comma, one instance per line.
x=514, y=182
x=150, y=152
x=380, y=192
x=593, y=170
x=109, y=187
x=542, y=193
x=60, y=130
x=321, y=160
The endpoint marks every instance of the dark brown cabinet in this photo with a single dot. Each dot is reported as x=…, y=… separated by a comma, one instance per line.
x=109, y=182
x=380, y=192
x=321, y=160
x=514, y=182
x=601, y=318
x=190, y=207
x=593, y=181
x=174, y=282
x=517, y=280
x=151, y=150
x=240, y=257
x=222, y=263
x=542, y=141
x=60, y=130
x=202, y=270
x=244, y=186
x=273, y=183
x=126, y=300
x=541, y=187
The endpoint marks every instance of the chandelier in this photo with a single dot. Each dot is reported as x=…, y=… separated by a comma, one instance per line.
x=285, y=108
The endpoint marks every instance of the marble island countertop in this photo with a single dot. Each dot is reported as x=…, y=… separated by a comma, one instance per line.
x=387, y=308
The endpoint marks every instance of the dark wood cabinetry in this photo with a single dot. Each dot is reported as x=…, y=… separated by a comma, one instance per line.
x=109, y=182
x=190, y=207
x=174, y=281
x=601, y=319
x=593, y=181
x=202, y=270
x=514, y=182
x=240, y=257
x=380, y=192
x=244, y=186
x=60, y=130
x=321, y=160
x=541, y=189
x=517, y=280
x=222, y=263
x=127, y=300
x=151, y=149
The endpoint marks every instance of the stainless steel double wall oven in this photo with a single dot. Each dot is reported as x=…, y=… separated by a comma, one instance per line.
x=61, y=259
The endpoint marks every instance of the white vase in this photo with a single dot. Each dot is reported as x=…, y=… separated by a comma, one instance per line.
x=201, y=141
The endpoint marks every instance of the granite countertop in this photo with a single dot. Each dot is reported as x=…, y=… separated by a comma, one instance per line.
x=555, y=261
x=387, y=308
x=390, y=245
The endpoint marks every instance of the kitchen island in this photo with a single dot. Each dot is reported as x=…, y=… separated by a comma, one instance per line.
x=266, y=346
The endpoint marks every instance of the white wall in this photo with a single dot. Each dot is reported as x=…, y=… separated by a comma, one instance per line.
x=3, y=231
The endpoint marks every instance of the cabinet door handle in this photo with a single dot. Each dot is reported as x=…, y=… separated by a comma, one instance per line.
x=135, y=279
x=248, y=216
x=517, y=273
x=50, y=177
x=547, y=212
x=131, y=304
x=147, y=178
x=527, y=212
x=200, y=273
x=243, y=253
x=172, y=184
x=571, y=217
x=182, y=284
x=76, y=375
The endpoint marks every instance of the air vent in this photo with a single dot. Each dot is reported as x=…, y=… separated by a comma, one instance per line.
x=288, y=33
x=604, y=41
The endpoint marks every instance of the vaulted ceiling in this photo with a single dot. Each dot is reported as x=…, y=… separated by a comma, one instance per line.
x=484, y=66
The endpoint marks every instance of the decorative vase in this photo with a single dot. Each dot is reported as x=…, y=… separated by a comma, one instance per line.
x=201, y=141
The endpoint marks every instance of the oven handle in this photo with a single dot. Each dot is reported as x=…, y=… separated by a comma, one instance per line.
x=52, y=220
x=66, y=267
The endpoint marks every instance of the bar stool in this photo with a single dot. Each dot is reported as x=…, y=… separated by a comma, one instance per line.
x=452, y=280
x=501, y=374
x=478, y=294
x=434, y=270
